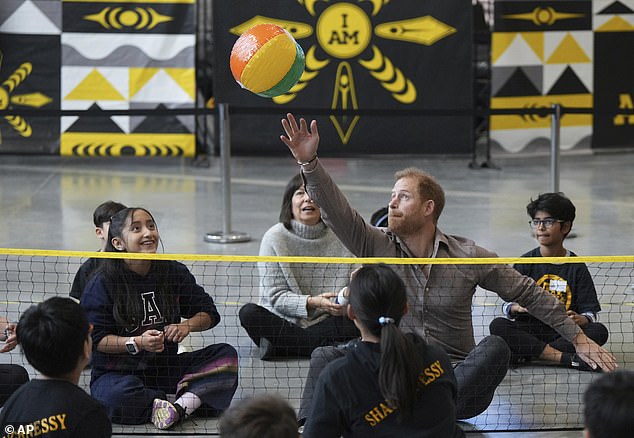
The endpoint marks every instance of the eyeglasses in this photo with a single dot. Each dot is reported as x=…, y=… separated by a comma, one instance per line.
x=547, y=223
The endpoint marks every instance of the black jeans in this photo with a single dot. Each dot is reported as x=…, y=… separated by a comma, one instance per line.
x=477, y=376
x=527, y=336
x=291, y=340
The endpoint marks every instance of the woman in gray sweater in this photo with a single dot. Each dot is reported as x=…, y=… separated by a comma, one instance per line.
x=298, y=309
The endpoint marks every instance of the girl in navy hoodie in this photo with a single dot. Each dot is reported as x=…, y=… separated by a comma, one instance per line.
x=141, y=309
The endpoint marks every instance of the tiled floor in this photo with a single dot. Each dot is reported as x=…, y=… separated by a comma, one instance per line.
x=47, y=203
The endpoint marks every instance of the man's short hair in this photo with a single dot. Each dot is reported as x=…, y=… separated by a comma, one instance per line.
x=105, y=211
x=262, y=416
x=52, y=335
x=428, y=188
x=609, y=405
x=555, y=204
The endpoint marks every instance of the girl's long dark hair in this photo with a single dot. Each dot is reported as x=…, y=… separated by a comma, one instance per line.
x=128, y=307
x=377, y=291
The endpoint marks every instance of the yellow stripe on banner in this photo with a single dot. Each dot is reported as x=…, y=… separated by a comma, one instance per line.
x=316, y=260
x=110, y=144
x=132, y=1
x=536, y=102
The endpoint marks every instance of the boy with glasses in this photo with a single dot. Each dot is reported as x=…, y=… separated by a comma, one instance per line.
x=552, y=215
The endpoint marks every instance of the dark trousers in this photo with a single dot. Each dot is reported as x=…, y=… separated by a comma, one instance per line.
x=291, y=340
x=527, y=336
x=477, y=376
x=211, y=373
x=12, y=376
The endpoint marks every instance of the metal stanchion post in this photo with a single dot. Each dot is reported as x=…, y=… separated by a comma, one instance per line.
x=226, y=235
x=554, y=147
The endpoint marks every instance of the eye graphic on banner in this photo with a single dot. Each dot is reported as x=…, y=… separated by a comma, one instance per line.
x=344, y=32
x=7, y=98
x=120, y=18
x=543, y=16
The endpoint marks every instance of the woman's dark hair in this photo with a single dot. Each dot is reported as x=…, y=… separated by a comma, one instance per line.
x=128, y=308
x=52, y=335
x=286, y=211
x=377, y=291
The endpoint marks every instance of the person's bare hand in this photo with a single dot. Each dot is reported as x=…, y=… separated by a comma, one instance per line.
x=301, y=141
x=516, y=308
x=580, y=320
x=11, y=340
x=176, y=332
x=593, y=354
x=326, y=303
x=153, y=340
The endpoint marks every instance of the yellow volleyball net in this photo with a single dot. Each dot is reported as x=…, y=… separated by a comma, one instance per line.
x=532, y=396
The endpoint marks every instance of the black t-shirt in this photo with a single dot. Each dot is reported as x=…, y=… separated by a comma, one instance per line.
x=83, y=276
x=54, y=408
x=348, y=401
x=570, y=282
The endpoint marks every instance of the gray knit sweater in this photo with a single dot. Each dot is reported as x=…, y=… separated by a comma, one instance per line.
x=285, y=287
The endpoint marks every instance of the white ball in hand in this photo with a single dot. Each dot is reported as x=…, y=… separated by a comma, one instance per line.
x=341, y=297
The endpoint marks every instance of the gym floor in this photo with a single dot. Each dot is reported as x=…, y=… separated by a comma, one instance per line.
x=47, y=203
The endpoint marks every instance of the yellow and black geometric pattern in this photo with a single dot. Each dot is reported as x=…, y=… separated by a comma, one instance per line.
x=541, y=54
x=98, y=55
x=573, y=53
x=29, y=76
x=136, y=55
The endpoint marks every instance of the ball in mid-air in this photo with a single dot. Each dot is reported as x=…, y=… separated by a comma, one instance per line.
x=267, y=60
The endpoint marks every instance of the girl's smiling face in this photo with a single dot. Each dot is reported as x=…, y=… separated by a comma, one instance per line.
x=140, y=234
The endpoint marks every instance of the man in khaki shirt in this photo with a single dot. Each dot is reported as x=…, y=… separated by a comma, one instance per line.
x=440, y=296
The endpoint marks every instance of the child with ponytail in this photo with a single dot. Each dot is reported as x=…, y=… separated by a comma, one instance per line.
x=390, y=383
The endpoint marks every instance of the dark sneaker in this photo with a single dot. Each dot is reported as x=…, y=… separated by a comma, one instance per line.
x=300, y=425
x=579, y=364
x=266, y=350
x=518, y=361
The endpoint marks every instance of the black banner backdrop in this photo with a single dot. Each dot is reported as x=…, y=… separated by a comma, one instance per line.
x=614, y=82
x=374, y=55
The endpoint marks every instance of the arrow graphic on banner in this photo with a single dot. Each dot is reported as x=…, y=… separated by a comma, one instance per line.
x=34, y=100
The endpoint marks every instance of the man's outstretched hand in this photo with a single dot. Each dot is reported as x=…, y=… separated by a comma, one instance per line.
x=301, y=141
x=593, y=354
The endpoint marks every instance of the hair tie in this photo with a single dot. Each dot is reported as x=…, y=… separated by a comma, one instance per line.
x=383, y=320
